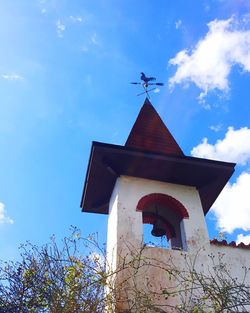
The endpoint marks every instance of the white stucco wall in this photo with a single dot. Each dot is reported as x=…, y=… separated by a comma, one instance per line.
x=125, y=223
x=235, y=258
x=125, y=232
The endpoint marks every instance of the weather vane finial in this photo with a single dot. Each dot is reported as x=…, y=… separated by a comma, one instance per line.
x=145, y=83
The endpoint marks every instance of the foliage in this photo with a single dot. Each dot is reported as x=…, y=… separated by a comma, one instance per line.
x=74, y=277
x=55, y=278
x=212, y=289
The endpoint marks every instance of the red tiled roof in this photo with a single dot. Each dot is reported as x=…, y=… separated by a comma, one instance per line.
x=151, y=134
x=230, y=244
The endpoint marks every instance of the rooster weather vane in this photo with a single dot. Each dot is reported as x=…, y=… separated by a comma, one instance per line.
x=146, y=83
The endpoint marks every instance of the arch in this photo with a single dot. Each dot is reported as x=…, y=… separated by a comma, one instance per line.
x=165, y=200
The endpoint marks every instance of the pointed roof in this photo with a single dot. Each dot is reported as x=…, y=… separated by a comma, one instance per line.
x=150, y=152
x=151, y=134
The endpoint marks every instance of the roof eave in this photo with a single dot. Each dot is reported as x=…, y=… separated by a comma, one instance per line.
x=105, y=151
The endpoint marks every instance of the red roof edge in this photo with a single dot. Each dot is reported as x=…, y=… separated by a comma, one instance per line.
x=230, y=244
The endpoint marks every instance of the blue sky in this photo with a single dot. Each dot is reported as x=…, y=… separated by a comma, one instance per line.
x=65, y=68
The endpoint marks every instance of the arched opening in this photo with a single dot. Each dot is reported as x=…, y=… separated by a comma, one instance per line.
x=165, y=213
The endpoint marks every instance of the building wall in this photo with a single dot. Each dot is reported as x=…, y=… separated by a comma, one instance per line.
x=235, y=259
x=125, y=239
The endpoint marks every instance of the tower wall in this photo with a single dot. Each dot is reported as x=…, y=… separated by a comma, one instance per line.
x=125, y=222
x=125, y=233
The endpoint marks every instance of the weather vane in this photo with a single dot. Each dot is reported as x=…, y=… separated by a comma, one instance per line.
x=145, y=83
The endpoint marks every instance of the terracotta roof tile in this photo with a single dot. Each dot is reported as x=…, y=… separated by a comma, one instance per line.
x=231, y=244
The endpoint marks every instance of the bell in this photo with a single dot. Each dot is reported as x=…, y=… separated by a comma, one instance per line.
x=158, y=229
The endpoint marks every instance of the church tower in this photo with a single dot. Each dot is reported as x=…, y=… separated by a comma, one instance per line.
x=150, y=180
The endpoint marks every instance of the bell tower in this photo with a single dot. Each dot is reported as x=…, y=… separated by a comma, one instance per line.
x=149, y=180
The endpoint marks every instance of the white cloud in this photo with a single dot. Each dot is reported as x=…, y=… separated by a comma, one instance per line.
x=208, y=65
x=75, y=19
x=12, y=76
x=244, y=239
x=3, y=218
x=156, y=90
x=178, y=24
x=216, y=128
x=60, y=28
x=94, y=40
x=232, y=207
x=234, y=147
